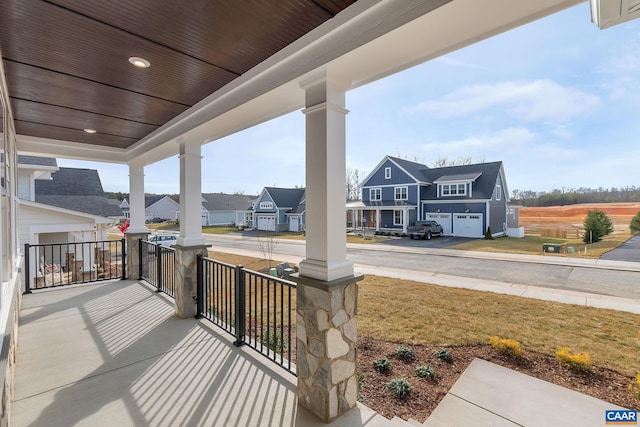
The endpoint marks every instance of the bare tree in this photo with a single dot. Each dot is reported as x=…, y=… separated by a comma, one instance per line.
x=443, y=161
x=353, y=184
x=267, y=243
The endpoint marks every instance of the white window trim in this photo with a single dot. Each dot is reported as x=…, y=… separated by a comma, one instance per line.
x=401, y=217
x=371, y=193
x=387, y=173
x=498, y=192
x=406, y=193
x=441, y=189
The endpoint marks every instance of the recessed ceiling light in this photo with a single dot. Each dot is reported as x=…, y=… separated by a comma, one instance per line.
x=90, y=130
x=139, y=62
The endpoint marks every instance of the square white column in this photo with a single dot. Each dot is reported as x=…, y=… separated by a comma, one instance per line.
x=136, y=199
x=326, y=257
x=190, y=194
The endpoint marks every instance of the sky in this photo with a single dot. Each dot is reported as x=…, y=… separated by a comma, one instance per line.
x=556, y=101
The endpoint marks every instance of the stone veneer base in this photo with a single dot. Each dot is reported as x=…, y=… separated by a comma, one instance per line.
x=326, y=345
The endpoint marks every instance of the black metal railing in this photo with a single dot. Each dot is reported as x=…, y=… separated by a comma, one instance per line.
x=59, y=264
x=258, y=309
x=157, y=266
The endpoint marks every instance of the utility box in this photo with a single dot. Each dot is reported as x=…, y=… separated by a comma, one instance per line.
x=552, y=248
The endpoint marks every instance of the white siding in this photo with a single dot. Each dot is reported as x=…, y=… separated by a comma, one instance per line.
x=35, y=220
x=164, y=208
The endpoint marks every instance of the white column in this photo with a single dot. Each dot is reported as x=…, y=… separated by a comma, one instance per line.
x=405, y=219
x=190, y=194
x=136, y=199
x=326, y=257
x=377, y=219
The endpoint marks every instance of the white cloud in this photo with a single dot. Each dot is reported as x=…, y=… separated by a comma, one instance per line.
x=539, y=100
x=506, y=139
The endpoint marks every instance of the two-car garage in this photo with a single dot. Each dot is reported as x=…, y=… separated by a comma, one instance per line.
x=458, y=224
x=266, y=222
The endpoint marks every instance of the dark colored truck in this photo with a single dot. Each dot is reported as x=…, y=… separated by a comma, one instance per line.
x=424, y=229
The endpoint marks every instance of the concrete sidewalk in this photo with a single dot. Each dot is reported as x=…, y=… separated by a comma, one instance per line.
x=548, y=294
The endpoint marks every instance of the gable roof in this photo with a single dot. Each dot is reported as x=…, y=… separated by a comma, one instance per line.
x=78, y=190
x=150, y=199
x=286, y=197
x=226, y=202
x=416, y=170
x=413, y=169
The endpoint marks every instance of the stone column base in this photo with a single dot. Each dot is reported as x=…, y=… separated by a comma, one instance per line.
x=326, y=345
x=133, y=254
x=186, y=279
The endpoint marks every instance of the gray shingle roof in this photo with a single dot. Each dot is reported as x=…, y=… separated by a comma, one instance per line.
x=35, y=160
x=417, y=170
x=459, y=177
x=482, y=187
x=286, y=197
x=94, y=205
x=76, y=189
x=226, y=202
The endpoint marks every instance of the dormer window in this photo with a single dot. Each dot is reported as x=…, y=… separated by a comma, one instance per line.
x=453, y=190
x=498, y=192
x=387, y=173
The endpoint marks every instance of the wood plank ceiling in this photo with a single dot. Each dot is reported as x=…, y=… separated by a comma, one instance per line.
x=67, y=69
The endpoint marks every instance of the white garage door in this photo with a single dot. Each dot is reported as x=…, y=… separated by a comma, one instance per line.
x=294, y=224
x=444, y=219
x=267, y=223
x=467, y=225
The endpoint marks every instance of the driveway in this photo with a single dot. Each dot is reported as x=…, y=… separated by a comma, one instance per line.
x=628, y=251
x=435, y=242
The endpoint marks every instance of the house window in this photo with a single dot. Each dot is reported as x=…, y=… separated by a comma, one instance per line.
x=498, y=192
x=266, y=205
x=375, y=194
x=398, y=218
x=454, y=190
x=401, y=193
x=387, y=173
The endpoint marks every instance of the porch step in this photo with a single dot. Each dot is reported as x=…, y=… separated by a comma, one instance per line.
x=398, y=422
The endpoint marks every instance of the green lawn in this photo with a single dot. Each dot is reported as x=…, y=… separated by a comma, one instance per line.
x=533, y=245
x=218, y=230
x=409, y=312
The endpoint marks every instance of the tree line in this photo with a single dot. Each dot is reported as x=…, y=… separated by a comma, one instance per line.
x=572, y=196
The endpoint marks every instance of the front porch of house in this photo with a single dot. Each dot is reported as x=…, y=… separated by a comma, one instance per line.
x=115, y=353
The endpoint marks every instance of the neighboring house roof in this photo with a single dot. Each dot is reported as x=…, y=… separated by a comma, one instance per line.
x=460, y=177
x=286, y=197
x=76, y=189
x=416, y=170
x=226, y=202
x=37, y=161
x=150, y=199
x=486, y=176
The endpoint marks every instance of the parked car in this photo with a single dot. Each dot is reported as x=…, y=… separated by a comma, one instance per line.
x=424, y=229
x=163, y=239
x=156, y=220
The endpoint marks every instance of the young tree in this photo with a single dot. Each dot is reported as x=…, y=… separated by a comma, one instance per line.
x=596, y=226
x=635, y=224
x=353, y=184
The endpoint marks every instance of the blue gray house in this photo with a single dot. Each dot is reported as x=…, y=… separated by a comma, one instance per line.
x=465, y=199
x=280, y=209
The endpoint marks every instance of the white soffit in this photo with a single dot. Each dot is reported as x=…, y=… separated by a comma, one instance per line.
x=607, y=13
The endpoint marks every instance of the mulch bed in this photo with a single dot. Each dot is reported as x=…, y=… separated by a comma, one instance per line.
x=425, y=395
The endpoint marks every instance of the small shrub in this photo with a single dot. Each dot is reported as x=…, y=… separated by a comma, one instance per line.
x=444, y=355
x=488, y=234
x=634, y=387
x=427, y=372
x=511, y=348
x=399, y=387
x=579, y=362
x=274, y=341
x=635, y=224
x=382, y=364
x=405, y=353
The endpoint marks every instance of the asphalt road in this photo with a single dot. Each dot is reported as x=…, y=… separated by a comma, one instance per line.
x=624, y=284
x=628, y=251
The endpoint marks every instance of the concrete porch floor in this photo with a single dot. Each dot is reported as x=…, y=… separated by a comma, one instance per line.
x=114, y=354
